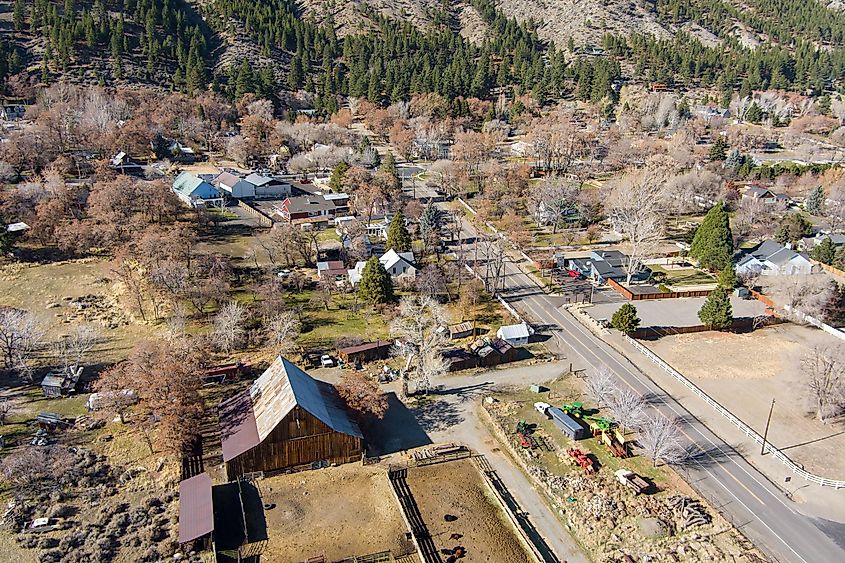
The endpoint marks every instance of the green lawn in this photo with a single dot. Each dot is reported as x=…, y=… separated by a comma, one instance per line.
x=685, y=277
x=320, y=327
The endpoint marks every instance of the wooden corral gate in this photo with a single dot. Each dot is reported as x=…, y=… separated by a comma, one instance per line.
x=192, y=463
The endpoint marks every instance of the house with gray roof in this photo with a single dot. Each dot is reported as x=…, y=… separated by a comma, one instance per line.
x=809, y=243
x=603, y=265
x=772, y=258
x=234, y=186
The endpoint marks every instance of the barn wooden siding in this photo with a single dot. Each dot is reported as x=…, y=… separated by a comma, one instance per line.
x=299, y=439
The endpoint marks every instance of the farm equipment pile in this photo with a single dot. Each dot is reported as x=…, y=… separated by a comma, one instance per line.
x=582, y=460
x=529, y=440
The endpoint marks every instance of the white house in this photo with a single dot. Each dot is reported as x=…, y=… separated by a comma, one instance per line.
x=515, y=335
x=772, y=258
x=398, y=264
x=196, y=192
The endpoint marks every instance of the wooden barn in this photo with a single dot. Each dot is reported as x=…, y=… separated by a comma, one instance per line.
x=286, y=420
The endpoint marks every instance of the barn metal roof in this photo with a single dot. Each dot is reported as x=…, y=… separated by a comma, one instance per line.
x=249, y=417
x=196, y=515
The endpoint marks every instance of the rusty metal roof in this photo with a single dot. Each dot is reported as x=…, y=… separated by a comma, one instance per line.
x=249, y=417
x=196, y=514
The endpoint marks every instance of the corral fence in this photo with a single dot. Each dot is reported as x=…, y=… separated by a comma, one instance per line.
x=263, y=219
x=631, y=296
x=747, y=430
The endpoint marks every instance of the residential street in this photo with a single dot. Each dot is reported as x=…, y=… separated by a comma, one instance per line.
x=736, y=488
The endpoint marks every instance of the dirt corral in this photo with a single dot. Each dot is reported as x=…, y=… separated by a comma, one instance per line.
x=335, y=512
x=453, y=499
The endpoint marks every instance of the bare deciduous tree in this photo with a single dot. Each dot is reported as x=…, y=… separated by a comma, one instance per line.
x=553, y=199
x=73, y=347
x=21, y=335
x=800, y=295
x=282, y=330
x=825, y=373
x=636, y=212
x=229, y=327
x=417, y=326
x=628, y=408
x=600, y=385
x=660, y=439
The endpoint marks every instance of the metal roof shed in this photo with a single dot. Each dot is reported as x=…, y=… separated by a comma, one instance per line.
x=567, y=424
x=196, y=514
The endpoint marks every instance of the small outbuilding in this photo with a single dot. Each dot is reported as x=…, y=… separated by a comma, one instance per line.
x=60, y=383
x=515, y=335
x=227, y=519
x=365, y=352
x=284, y=421
x=461, y=330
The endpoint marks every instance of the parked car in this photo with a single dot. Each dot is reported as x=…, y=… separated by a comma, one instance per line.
x=326, y=361
x=283, y=273
x=42, y=525
x=574, y=274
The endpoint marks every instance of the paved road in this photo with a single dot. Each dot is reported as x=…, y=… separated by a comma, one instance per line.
x=738, y=490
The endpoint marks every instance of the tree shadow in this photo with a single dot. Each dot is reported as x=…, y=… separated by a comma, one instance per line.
x=436, y=416
x=400, y=429
x=467, y=392
x=696, y=456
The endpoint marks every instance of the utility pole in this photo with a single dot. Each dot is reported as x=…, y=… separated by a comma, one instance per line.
x=766, y=432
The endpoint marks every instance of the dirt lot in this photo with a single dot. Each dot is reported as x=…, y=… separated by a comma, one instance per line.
x=744, y=372
x=50, y=291
x=336, y=512
x=456, y=488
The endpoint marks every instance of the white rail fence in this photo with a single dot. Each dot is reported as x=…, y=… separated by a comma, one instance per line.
x=769, y=448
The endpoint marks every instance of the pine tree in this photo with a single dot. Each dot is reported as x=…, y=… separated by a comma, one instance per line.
x=815, y=202
x=754, y=113
x=430, y=220
x=375, y=285
x=716, y=312
x=825, y=251
x=18, y=15
x=719, y=150
x=389, y=165
x=735, y=159
x=336, y=180
x=625, y=319
x=398, y=237
x=712, y=244
x=727, y=278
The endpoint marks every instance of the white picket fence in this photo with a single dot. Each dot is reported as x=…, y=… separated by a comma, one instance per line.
x=769, y=448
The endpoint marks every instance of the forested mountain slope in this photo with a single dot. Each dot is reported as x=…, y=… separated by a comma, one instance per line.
x=387, y=49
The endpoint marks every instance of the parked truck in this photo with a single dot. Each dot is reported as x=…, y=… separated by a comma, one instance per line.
x=632, y=481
